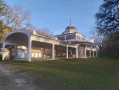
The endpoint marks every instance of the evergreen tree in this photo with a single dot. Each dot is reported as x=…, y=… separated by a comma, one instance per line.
x=2, y=6
x=108, y=26
x=108, y=17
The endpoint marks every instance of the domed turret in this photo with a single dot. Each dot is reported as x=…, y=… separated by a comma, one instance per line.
x=70, y=29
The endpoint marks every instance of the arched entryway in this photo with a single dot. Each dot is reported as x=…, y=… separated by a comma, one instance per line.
x=14, y=40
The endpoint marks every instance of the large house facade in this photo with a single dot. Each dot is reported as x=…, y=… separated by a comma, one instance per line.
x=32, y=46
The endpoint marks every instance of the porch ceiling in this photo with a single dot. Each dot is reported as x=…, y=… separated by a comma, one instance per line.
x=19, y=39
x=36, y=44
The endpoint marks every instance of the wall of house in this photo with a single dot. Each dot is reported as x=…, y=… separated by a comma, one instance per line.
x=41, y=53
x=71, y=36
x=79, y=37
x=6, y=55
x=36, y=53
x=81, y=51
x=21, y=53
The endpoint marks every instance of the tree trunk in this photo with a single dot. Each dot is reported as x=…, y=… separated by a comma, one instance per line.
x=100, y=48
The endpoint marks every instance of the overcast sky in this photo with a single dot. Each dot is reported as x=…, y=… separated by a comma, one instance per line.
x=55, y=14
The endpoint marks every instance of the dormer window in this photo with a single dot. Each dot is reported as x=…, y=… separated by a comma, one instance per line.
x=70, y=37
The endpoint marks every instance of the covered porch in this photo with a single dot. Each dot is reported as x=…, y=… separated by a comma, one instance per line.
x=37, y=46
x=86, y=49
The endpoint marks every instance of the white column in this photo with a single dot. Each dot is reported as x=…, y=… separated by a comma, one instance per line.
x=77, y=52
x=93, y=53
x=29, y=49
x=90, y=51
x=53, y=51
x=3, y=50
x=85, y=51
x=67, y=56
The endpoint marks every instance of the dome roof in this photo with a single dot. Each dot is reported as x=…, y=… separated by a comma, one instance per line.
x=70, y=29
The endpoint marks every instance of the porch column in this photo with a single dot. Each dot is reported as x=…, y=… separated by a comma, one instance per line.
x=29, y=49
x=67, y=56
x=93, y=53
x=53, y=51
x=85, y=51
x=3, y=50
x=77, y=52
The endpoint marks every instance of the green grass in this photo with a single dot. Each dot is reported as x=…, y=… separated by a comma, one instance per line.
x=73, y=74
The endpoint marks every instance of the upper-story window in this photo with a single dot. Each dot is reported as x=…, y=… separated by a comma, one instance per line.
x=61, y=38
x=70, y=37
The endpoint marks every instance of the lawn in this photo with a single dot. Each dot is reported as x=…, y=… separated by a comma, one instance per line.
x=73, y=74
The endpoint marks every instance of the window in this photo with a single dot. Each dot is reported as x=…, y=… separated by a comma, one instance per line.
x=61, y=38
x=70, y=37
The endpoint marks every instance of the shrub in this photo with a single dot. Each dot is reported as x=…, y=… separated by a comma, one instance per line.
x=111, y=47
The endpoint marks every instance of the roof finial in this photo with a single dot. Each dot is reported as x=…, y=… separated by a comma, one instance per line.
x=70, y=21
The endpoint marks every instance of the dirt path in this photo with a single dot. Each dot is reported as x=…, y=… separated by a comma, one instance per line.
x=13, y=80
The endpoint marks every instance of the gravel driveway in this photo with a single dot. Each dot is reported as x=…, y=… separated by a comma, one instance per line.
x=11, y=79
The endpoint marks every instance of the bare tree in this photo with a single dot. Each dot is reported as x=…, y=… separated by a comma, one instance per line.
x=45, y=32
x=18, y=18
x=15, y=17
x=11, y=18
x=98, y=38
x=29, y=27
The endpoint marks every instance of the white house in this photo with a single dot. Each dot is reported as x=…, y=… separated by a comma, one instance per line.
x=31, y=46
